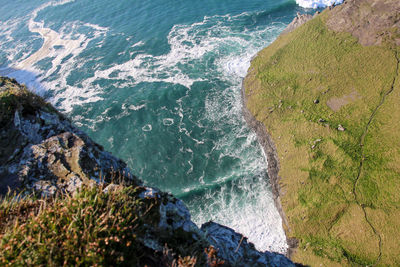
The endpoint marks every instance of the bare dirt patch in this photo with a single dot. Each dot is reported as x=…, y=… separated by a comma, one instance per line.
x=335, y=103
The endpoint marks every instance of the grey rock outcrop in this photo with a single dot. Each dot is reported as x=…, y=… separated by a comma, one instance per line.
x=41, y=150
x=299, y=20
x=235, y=249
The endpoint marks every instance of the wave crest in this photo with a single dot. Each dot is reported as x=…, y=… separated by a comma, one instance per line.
x=317, y=3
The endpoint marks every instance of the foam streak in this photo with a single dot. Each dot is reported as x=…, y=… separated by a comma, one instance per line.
x=318, y=3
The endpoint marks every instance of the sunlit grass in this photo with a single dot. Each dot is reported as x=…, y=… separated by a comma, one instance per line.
x=288, y=87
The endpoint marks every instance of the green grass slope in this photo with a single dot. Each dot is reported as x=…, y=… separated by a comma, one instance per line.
x=332, y=108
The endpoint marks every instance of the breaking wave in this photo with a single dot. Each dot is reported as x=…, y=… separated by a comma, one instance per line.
x=317, y=3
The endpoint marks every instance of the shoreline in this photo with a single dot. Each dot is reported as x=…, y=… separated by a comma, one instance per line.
x=268, y=144
x=273, y=166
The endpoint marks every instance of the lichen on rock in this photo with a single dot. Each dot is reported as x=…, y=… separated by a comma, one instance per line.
x=42, y=150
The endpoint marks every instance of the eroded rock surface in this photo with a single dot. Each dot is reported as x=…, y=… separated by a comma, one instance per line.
x=370, y=21
x=40, y=149
x=234, y=248
x=299, y=20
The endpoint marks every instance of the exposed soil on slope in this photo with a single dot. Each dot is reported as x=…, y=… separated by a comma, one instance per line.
x=370, y=21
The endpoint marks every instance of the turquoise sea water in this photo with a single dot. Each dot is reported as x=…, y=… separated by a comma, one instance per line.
x=157, y=83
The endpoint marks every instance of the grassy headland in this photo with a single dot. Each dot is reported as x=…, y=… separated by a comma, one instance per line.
x=331, y=107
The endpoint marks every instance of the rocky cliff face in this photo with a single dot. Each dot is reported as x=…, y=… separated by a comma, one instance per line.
x=41, y=151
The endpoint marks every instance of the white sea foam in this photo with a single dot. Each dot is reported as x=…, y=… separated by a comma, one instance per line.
x=8, y=43
x=70, y=44
x=250, y=211
x=64, y=62
x=247, y=206
x=189, y=45
x=317, y=3
x=147, y=128
x=168, y=121
x=164, y=68
x=133, y=107
x=147, y=68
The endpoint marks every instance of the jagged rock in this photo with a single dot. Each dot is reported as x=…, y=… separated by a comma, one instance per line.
x=235, y=249
x=174, y=220
x=41, y=150
x=176, y=215
x=299, y=20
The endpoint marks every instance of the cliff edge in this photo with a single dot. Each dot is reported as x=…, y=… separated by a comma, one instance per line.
x=327, y=94
x=66, y=201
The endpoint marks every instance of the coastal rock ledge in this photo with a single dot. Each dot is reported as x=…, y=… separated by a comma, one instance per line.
x=44, y=154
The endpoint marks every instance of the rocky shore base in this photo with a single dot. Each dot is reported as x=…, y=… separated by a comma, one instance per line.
x=271, y=154
x=268, y=145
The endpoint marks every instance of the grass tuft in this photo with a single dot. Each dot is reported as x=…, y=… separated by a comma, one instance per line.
x=88, y=228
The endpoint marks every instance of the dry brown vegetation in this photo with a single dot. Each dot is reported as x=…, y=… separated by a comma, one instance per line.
x=91, y=228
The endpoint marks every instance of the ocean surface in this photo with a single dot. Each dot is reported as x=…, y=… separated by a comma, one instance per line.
x=157, y=83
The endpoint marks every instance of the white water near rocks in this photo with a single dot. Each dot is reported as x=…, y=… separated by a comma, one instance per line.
x=168, y=104
x=317, y=3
